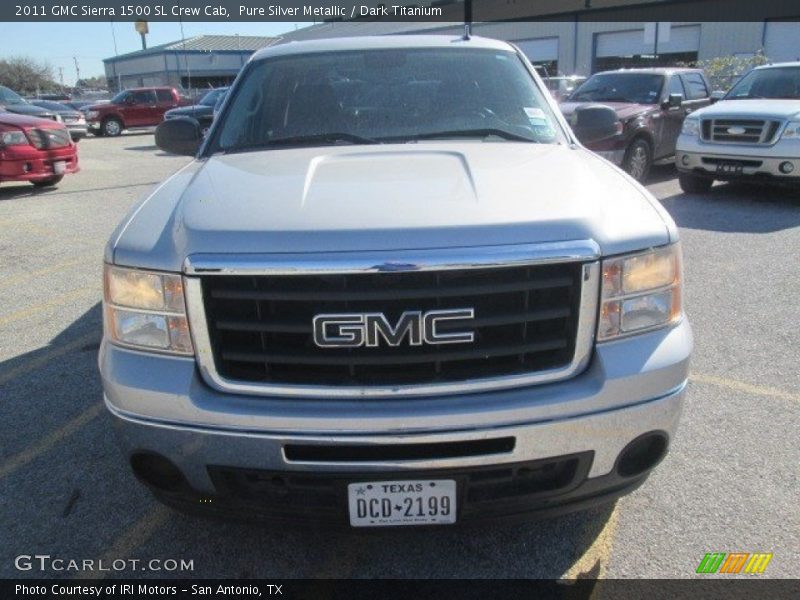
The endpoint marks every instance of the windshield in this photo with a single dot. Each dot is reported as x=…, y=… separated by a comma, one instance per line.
x=8, y=96
x=120, y=97
x=776, y=83
x=376, y=96
x=640, y=88
x=211, y=98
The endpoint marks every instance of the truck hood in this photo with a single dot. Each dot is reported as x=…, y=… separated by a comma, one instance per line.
x=624, y=110
x=756, y=107
x=391, y=197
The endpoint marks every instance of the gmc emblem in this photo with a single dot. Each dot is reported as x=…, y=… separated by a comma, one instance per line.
x=373, y=329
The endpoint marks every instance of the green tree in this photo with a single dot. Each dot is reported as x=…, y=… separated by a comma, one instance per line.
x=723, y=71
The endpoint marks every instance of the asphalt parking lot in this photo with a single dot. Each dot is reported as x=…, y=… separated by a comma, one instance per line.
x=729, y=484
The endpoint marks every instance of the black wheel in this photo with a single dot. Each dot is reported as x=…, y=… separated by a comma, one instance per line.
x=112, y=127
x=692, y=184
x=48, y=182
x=638, y=159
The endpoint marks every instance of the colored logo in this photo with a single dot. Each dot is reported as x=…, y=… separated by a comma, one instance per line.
x=734, y=562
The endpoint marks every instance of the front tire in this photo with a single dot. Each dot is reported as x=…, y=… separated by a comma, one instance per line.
x=638, y=160
x=112, y=127
x=692, y=184
x=43, y=183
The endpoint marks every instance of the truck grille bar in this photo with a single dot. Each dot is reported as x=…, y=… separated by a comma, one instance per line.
x=527, y=328
x=739, y=131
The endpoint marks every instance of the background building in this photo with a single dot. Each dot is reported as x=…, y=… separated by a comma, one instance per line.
x=584, y=47
x=195, y=63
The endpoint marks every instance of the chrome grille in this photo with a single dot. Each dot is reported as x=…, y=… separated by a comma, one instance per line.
x=533, y=323
x=739, y=131
x=261, y=327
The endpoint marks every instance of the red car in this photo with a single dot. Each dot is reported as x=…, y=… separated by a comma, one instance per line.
x=137, y=107
x=36, y=150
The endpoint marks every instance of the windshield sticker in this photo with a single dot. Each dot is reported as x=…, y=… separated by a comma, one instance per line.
x=534, y=113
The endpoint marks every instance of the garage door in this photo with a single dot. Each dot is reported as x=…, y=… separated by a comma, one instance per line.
x=540, y=50
x=782, y=41
x=685, y=38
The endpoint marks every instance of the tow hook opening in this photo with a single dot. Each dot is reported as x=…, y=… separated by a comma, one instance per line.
x=642, y=454
x=158, y=472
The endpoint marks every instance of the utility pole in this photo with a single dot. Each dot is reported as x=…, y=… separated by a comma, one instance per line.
x=77, y=69
x=61, y=77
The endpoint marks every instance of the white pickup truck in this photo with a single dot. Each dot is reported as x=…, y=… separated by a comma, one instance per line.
x=752, y=133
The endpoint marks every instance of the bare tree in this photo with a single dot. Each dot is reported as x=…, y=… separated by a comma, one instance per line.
x=26, y=75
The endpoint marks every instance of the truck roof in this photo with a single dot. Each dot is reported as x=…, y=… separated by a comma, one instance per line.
x=657, y=70
x=379, y=42
x=794, y=63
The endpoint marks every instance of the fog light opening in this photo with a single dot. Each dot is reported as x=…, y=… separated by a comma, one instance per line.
x=786, y=167
x=158, y=472
x=685, y=160
x=642, y=454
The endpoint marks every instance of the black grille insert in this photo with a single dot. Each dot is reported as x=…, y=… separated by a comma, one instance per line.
x=525, y=321
x=378, y=452
x=498, y=489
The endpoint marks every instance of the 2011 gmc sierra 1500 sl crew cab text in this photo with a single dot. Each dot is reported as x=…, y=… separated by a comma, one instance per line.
x=392, y=289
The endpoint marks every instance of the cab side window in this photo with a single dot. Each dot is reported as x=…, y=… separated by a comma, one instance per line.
x=143, y=97
x=164, y=96
x=675, y=87
x=695, y=85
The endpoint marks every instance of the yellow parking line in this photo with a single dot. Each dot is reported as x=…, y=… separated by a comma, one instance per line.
x=598, y=554
x=741, y=386
x=49, y=441
x=50, y=355
x=54, y=301
x=9, y=281
x=128, y=542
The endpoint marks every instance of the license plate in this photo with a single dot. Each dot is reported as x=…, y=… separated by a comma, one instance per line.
x=729, y=169
x=59, y=167
x=393, y=503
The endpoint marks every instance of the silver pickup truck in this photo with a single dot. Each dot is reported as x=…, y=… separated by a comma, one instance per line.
x=751, y=134
x=392, y=289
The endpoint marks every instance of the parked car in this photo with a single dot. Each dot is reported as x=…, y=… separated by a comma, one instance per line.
x=73, y=119
x=203, y=111
x=11, y=101
x=752, y=133
x=416, y=301
x=650, y=105
x=561, y=86
x=131, y=109
x=36, y=150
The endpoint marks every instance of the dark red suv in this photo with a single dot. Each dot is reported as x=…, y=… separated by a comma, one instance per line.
x=137, y=107
x=650, y=106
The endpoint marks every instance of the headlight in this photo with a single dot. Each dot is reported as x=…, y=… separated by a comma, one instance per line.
x=92, y=114
x=640, y=292
x=691, y=127
x=146, y=310
x=792, y=130
x=13, y=138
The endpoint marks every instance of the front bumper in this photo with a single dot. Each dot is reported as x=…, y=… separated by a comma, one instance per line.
x=633, y=387
x=29, y=164
x=738, y=161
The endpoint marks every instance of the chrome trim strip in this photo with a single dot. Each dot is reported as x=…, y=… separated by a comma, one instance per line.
x=434, y=259
x=584, y=342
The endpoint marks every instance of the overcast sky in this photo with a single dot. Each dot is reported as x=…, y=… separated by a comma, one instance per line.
x=90, y=43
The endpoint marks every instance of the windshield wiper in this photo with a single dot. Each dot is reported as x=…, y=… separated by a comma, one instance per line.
x=473, y=133
x=305, y=140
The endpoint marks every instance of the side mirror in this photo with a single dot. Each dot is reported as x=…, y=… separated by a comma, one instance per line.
x=674, y=101
x=181, y=135
x=717, y=95
x=594, y=122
